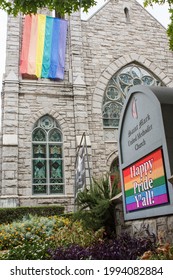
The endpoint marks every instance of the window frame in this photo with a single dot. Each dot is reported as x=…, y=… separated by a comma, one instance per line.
x=114, y=82
x=47, y=143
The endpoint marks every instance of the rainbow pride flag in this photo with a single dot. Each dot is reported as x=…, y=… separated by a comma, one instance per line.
x=43, y=46
x=145, y=183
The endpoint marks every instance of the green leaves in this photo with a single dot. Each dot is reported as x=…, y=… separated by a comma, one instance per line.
x=170, y=30
x=95, y=207
x=32, y=6
x=170, y=26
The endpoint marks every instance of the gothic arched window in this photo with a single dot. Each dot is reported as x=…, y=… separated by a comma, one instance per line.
x=117, y=89
x=47, y=157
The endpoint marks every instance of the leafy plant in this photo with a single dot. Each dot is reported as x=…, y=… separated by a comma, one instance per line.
x=123, y=248
x=31, y=6
x=96, y=209
x=162, y=252
x=8, y=215
x=28, y=229
x=31, y=237
x=29, y=250
x=74, y=233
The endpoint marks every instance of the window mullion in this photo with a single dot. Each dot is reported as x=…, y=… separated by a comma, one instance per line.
x=48, y=167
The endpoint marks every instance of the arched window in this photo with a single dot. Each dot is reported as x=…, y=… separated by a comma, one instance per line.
x=117, y=89
x=114, y=171
x=127, y=15
x=47, y=157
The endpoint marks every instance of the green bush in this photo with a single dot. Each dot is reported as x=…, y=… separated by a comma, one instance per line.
x=74, y=233
x=96, y=209
x=8, y=215
x=35, y=250
x=31, y=237
x=29, y=229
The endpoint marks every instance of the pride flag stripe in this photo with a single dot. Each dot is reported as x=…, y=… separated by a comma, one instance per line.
x=43, y=47
x=40, y=44
x=156, y=191
x=156, y=182
x=47, y=47
x=161, y=199
x=26, y=43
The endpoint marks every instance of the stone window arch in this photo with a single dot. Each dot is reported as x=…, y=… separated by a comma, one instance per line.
x=114, y=170
x=47, y=157
x=118, y=87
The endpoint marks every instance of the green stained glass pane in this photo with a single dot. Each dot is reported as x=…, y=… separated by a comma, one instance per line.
x=46, y=122
x=55, y=171
x=125, y=78
x=113, y=93
x=105, y=122
x=39, y=171
x=55, y=189
x=39, y=151
x=137, y=81
x=55, y=136
x=39, y=189
x=55, y=151
x=136, y=72
x=111, y=114
x=148, y=80
x=39, y=135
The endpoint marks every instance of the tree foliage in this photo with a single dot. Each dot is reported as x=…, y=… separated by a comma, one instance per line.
x=31, y=6
x=170, y=26
x=62, y=7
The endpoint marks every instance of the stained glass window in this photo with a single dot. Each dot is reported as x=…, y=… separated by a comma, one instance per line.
x=47, y=157
x=117, y=89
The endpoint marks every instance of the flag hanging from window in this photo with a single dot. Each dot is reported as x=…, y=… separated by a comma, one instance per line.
x=43, y=47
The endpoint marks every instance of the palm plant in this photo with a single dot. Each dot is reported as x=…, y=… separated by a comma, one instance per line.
x=96, y=208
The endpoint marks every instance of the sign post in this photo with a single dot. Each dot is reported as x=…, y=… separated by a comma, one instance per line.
x=145, y=142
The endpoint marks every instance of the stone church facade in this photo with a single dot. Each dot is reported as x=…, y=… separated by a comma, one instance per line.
x=119, y=46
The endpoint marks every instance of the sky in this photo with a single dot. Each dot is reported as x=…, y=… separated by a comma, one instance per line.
x=159, y=12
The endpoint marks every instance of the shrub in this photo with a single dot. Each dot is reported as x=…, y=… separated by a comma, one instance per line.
x=29, y=229
x=73, y=233
x=162, y=252
x=95, y=207
x=29, y=250
x=122, y=248
x=8, y=215
x=31, y=237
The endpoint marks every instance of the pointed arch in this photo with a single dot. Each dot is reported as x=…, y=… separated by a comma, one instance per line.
x=52, y=113
x=114, y=67
x=47, y=157
x=118, y=88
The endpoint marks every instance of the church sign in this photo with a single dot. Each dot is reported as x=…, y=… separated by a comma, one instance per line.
x=145, y=183
x=144, y=155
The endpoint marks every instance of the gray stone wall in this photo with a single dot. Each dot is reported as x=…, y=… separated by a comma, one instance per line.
x=159, y=228
x=96, y=49
x=109, y=43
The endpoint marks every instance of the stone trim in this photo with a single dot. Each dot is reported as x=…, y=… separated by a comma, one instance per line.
x=116, y=66
x=113, y=155
x=47, y=111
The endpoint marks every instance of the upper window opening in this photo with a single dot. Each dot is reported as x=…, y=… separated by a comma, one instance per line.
x=127, y=15
x=117, y=89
